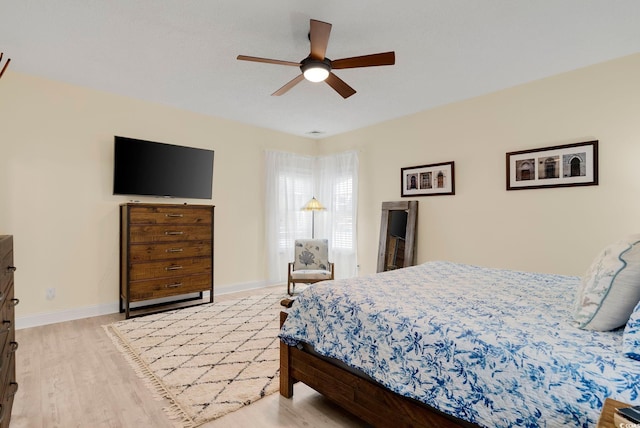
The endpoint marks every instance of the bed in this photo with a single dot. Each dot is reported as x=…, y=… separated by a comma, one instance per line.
x=448, y=344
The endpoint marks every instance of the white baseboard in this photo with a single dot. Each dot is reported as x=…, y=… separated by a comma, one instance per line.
x=246, y=286
x=112, y=308
x=65, y=315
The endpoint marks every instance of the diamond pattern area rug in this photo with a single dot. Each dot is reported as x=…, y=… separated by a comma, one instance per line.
x=207, y=360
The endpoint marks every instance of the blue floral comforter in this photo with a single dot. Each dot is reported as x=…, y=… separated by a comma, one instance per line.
x=494, y=347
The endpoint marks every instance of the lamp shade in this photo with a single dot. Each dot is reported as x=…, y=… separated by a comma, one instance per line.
x=313, y=205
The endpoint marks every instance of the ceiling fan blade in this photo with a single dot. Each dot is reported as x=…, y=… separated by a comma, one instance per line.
x=340, y=86
x=319, y=37
x=6, y=64
x=267, y=60
x=289, y=85
x=385, y=58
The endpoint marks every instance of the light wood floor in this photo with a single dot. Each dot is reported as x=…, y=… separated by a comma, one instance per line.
x=71, y=375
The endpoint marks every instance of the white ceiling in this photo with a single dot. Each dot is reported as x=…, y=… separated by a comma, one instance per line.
x=183, y=52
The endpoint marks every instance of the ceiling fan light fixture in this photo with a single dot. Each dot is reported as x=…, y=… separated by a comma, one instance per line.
x=315, y=70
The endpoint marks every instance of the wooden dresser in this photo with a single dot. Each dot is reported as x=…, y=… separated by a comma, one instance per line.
x=166, y=251
x=8, y=344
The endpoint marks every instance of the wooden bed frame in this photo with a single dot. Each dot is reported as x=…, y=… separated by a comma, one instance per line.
x=366, y=399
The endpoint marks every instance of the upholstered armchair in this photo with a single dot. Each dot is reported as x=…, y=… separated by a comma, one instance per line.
x=311, y=263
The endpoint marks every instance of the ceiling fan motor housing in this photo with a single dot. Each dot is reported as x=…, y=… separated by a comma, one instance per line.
x=315, y=70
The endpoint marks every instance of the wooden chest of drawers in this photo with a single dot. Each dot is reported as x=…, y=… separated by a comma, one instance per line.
x=8, y=344
x=165, y=251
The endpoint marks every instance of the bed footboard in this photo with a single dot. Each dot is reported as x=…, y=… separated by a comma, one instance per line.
x=366, y=399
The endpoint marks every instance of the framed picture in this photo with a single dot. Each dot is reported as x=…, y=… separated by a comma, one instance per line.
x=427, y=180
x=556, y=166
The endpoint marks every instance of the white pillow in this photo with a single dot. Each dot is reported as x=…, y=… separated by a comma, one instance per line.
x=611, y=287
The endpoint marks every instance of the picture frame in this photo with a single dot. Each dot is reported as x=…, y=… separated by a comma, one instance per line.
x=428, y=180
x=555, y=166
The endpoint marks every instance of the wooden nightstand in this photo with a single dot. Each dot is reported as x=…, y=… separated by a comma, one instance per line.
x=608, y=410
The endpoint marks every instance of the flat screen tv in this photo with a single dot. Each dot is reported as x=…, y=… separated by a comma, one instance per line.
x=157, y=169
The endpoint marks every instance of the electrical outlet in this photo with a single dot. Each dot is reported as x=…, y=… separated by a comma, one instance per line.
x=51, y=293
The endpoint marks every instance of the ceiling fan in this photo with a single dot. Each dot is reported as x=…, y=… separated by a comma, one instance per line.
x=317, y=68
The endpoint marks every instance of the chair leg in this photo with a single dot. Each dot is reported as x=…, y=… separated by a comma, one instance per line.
x=291, y=288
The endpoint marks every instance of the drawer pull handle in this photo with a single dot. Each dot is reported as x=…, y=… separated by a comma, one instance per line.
x=173, y=233
x=13, y=346
x=175, y=215
x=176, y=285
x=14, y=302
x=173, y=268
x=13, y=388
x=174, y=250
x=7, y=325
x=11, y=268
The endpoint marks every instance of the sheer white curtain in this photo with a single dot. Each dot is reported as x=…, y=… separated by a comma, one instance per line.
x=291, y=180
x=336, y=184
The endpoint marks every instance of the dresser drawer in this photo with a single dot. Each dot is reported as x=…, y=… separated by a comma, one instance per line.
x=7, y=317
x=9, y=389
x=157, y=288
x=169, y=268
x=6, y=265
x=169, y=215
x=7, y=370
x=168, y=233
x=5, y=286
x=7, y=356
x=171, y=250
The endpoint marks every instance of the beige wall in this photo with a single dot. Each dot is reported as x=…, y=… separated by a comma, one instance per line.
x=549, y=230
x=56, y=172
x=56, y=167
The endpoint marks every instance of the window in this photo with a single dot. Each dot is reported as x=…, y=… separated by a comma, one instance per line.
x=294, y=179
x=344, y=225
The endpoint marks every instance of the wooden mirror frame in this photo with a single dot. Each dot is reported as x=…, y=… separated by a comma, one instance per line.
x=411, y=207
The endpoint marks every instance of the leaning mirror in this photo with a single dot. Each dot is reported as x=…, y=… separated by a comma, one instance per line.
x=397, y=245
